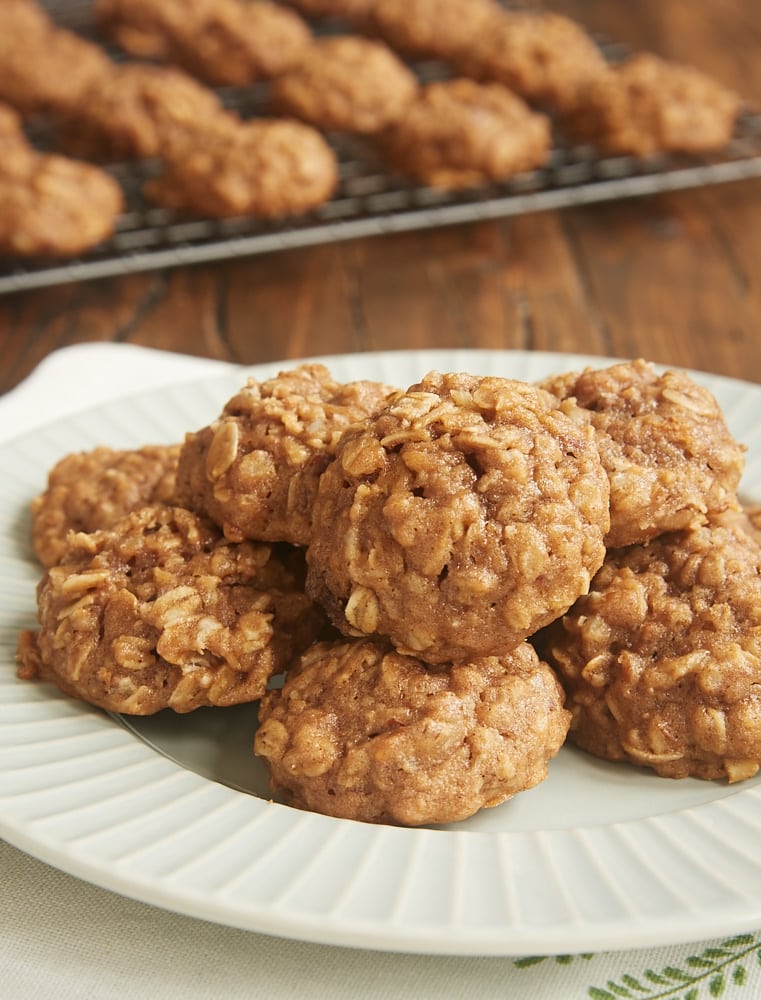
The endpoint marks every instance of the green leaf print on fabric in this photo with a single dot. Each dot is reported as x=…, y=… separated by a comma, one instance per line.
x=700, y=976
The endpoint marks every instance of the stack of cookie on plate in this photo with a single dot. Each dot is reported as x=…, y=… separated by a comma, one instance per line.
x=426, y=590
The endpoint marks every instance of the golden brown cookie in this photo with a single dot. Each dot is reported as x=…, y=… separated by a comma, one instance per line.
x=431, y=29
x=465, y=516
x=93, y=489
x=364, y=733
x=224, y=42
x=669, y=455
x=269, y=168
x=53, y=206
x=346, y=83
x=44, y=67
x=546, y=58
x=662, y=659
x=647, y=105
x=159, y=611
x=460, y=133
x=138, y=110
x=255, y=470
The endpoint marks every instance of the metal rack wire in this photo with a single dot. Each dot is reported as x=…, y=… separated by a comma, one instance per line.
x=369, y=200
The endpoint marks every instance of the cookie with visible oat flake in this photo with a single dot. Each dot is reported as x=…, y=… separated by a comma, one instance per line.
x=661, y=661
x=255, y=470
x=160, y=611
x=470, y=512
x=89, y=490
x=364, y=733
x=670, y=457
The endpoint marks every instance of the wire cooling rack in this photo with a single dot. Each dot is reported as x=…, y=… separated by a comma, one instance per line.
x=369, y=200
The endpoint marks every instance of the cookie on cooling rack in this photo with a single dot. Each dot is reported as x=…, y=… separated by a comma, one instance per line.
x=137, y=110
x=431, y=29
x=224, y=42
x=44, y=68
x=346, y=83
x=460, y=133
x=647, y=105
x=546, y=58
x=670, y=457
x=661, y=660
x=266, y=168
x=52, y=206
x=361, y=732
x=255, y=469
x=466, y=515
x=89, y=490
x=160, y=611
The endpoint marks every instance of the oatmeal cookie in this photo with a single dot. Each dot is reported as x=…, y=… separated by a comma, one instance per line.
x=662, y=659
x=346, y=83
x=159, y=611
x=53, y=206
x=140, y=110
x=431, y=29
x=89, y=490
x=669, y=455
x=265, y=168
x=460, y=133
x=470, y=512
x=546, y=58
x=43, y=67
x=362, y=732
x=224, y=42
x=255, y=470
x=647, y=105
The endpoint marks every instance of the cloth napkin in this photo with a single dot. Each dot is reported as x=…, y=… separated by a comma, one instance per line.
x=64, y=939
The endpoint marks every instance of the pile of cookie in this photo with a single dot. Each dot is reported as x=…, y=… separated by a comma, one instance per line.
x=509, y=78
x=426, y=590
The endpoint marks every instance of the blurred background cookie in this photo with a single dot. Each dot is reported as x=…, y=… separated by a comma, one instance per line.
x=136, y=111
x=346, y=83
x=460, y=133
x=44, y=67
x=223, y=42
x=51, y=205
x=546, y=58
x=430, y=29
x=267, y=168
x=647, y=105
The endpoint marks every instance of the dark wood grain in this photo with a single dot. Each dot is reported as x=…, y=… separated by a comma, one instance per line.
x=675, y=278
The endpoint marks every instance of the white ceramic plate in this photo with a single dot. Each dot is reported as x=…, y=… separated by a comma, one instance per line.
x=173, y=810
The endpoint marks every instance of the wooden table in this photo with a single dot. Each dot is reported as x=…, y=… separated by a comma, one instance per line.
x=674, y=277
